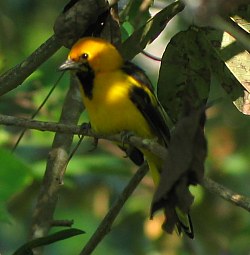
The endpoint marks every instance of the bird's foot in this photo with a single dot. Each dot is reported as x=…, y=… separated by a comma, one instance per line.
x=85, y=127
x=125, y=136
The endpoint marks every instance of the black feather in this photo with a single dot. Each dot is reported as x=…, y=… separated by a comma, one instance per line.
x=86, y=79
x=152, y=111
x=138, y=74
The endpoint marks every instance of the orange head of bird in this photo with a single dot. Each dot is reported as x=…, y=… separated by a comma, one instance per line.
x=94, y=53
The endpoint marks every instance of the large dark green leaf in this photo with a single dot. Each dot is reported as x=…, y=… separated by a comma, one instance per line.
x=188, y=65
x=184, y=79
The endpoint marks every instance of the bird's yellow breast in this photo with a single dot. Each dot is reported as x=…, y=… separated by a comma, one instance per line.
x=110, y=109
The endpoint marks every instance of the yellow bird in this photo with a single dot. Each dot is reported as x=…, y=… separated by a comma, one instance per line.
x=118, y=97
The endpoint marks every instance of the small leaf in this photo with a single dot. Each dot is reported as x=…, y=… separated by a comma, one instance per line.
x=58, y=236
x=135, y=14
x=147, y=33
x=126, y=30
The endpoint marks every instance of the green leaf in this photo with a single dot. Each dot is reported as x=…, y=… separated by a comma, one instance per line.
x=184, y=77
x=150, y=31
x=126, y=30
x=135, y=14
x=14, y=176
x=58, y=236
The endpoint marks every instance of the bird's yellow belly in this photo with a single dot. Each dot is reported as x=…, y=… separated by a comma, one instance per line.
x=111, y=111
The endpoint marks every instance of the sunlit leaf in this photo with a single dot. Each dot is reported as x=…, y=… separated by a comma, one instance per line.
x=136, y=13
x=148, y=32
x=230, y=65
x=126, y=30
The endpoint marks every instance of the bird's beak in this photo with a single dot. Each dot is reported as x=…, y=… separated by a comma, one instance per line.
x=69, y=65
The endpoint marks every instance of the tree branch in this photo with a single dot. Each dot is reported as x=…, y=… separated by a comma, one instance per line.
x=79, y=17
x=16, y=75
x=106, y=224
x=151, y=145
x=58, y=158
x=227, y=194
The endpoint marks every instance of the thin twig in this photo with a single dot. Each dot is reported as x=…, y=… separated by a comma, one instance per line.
x=227, y=194
x=151, y=56
x=39, y=125
x=37, y=111
x=106, y=224
x=62, y=223
x=72, y=153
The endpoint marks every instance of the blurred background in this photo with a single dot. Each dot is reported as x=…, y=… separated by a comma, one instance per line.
x=94, y=179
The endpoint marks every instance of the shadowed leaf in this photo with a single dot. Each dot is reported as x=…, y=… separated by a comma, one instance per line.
x=26, y=249
x=184, y=79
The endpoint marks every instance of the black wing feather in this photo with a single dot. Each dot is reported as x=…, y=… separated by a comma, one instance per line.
x=138, y=74
x=139, y=96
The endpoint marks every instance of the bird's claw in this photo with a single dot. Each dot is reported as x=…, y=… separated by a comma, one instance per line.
x=125, y=136
x=84, y=128
x=95, y=144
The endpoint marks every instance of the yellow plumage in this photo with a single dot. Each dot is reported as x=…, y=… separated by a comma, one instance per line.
x=117, y=95
x=110, y=110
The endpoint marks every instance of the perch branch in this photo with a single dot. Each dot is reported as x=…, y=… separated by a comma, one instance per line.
x=153, y=146
x=78, y=130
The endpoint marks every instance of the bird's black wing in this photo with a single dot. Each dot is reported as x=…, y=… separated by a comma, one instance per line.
x=145, y=100
x=138, y=74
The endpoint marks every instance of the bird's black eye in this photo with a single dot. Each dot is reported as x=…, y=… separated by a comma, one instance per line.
x=85, y=56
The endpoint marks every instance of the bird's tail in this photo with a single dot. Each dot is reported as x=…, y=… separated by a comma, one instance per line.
x=183, y=221
x=184, y=224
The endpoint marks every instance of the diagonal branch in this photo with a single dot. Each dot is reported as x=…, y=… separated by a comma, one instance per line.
x=16, y=76
x=227, y=194
x=106, y=224
x=58, y=157
x=87, y=11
